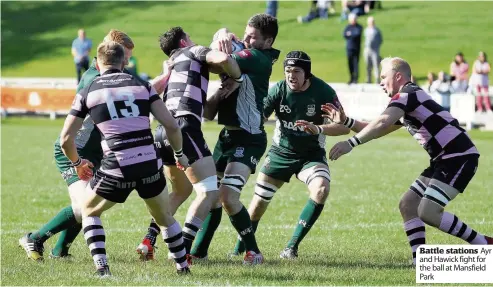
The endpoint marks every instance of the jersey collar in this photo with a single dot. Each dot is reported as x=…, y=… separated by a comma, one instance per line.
x=111, y=71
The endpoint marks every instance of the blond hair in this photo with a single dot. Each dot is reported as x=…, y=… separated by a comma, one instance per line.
x=398, y=65
x=110, y=53
x=119, y=37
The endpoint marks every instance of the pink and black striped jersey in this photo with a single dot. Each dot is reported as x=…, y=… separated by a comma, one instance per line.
x=119, y=105
x=186, y=92
x=431, y=125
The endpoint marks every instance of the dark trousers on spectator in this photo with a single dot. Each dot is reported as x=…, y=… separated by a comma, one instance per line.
x=271, y=8
x=353, y=61
x=83, y=64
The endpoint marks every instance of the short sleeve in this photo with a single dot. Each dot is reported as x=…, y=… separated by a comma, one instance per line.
x=271, y=101
x=247, y=60
x=401, y=101
x=153, y=95
x=200, y=53
x=79, y=107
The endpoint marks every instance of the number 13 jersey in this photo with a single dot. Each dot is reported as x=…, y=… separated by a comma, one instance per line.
x=119, y=105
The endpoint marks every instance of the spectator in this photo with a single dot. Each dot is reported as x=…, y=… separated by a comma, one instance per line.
x=318, y=9
x=430, y=78
x=373, y=41
x=354, y=7
x=443, y=88
x=352, y=34
x=81, y=47
x=459, y=70
x=272, y=8
x=480, y=82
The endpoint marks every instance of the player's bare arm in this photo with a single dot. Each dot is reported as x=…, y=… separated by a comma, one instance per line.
x=227, y=87
x=338, y=116
x=160, y=82
x=161, y=113
x=67, y=142
x=225, y=62
x=331, y=129
x=375, y=129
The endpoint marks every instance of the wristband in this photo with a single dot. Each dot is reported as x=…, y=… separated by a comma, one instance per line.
x=240, y=79
x=349, y=122
x=76, y=163
x=354, y=141
x=320, y=130
x=179, y=153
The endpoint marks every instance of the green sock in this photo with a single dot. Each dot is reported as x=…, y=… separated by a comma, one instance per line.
x=65, y=240
x=240, y=247
x=63, y=220
x=243, y=225
x=308, y=216
x=205, y=234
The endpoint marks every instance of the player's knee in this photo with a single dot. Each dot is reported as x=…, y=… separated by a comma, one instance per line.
x=91, y=211
x=319, y=193
x=429, y=212
x=258, y=209
x=407, y=205
x=233, y=182
x=206, y=185
x=318, y=174
x=265, y=191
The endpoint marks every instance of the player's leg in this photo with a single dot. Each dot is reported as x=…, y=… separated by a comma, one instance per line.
x=211, y=223
x=155, y=195
x=202, y=175
x=450, y=178
x=65, y=219
x=408, y=206
x=316, y=176
x=181, y=190
x=265, y=189
x=77, y=192
x=103, y=192
x=277, y=168
x=235, y=178
x=243, y=158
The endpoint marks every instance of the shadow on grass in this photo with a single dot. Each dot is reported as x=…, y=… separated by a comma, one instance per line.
x=24, y=23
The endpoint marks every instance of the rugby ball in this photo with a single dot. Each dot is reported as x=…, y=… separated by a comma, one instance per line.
x=237, y=46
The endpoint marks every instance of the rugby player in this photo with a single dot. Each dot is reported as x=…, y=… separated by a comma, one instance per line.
x=243, y=140
x=69, y=220
x=453, y=155
x=185, y=97
x=298, y=145
x=119, y=104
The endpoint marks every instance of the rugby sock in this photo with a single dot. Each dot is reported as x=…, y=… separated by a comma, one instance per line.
x=205, y=234
x=152, y=232
x=173, y=238
x=95, y=239
x=453, y=226
x=308, y=216
x=240, y=247
x=243, y=225
x=192, y=225
x=415, y=230
x=65, y=240
x=64, y=219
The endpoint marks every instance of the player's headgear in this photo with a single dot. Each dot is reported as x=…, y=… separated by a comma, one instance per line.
x=299, y=59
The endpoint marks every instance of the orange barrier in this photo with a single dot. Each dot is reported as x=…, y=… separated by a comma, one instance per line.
x=37, y=99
